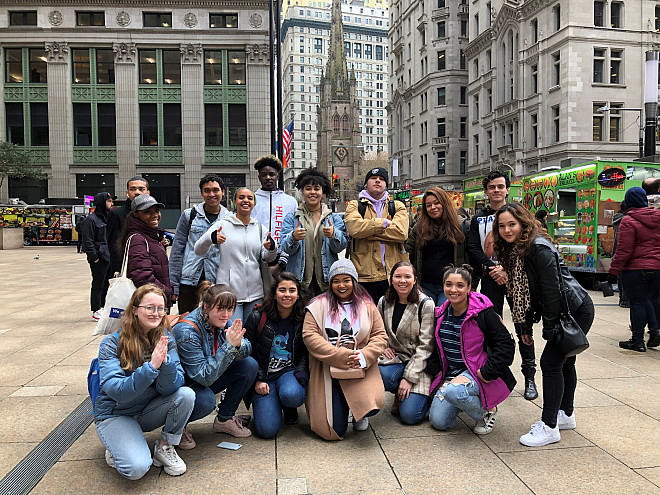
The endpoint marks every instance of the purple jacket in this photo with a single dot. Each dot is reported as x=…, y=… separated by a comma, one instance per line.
x=474, y=340
x=148, y=265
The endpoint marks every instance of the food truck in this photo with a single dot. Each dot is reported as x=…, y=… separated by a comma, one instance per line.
x=42, y=224
x=581, y=202
x=474, y=198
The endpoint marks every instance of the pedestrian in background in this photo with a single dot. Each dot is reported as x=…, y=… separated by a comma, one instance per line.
x=80, y=220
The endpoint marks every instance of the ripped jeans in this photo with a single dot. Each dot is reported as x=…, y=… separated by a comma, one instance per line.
x=451, y=399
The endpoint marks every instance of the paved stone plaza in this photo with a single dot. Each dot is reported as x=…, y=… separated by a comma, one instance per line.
x=46, y=347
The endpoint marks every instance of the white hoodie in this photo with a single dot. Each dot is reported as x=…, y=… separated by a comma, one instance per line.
x=271, y=208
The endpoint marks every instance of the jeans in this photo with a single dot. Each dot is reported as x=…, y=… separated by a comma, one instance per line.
x=435, y=292
x=640, y=286
x=495, y=292
x=122, y=435
x=456, y=397
x=99, y=284
x=412, y=409
x=559, y=375
x=243, y=310
x=283, y=391
x=237, y=379
x=340, y=410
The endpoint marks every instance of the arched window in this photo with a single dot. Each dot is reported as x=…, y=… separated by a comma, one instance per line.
x=335, y=124
x=344, y=125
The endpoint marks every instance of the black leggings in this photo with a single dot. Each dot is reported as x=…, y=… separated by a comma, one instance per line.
x=559, y=375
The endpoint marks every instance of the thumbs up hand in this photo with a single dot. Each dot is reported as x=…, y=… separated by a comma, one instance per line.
x=299, y=232
x=329, y=230
x=270, y=243
x=219, y=236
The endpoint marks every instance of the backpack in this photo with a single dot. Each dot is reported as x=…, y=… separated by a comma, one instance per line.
x=94, y=380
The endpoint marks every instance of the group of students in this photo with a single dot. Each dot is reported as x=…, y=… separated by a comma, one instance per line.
x=435, y=343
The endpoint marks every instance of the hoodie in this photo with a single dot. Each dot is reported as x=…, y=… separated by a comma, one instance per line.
x=270, y=209
x=638, y=241
x=480, y=241
x=95, y=242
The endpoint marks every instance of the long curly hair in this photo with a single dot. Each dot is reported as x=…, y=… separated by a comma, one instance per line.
x=314, y=177
x=531, y=229
x=269, y=305
x=134, y=345
x=447, y=227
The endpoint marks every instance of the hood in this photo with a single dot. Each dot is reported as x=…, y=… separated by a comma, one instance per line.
x=265, y=194
x=648, y=217
x=477, y=302
x=135, y=225
x=365, y=195
x=99, y=203
x=233, y=219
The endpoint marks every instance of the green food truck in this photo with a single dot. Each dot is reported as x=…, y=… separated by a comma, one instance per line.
x=474, y=198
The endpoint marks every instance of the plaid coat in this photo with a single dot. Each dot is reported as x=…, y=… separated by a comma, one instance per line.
x=412, y=343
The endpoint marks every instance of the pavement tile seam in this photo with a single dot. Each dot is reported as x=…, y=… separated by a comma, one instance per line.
x=389, y=463
x=622, y=404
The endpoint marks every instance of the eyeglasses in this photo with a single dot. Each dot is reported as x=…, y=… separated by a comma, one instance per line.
x=153, y=309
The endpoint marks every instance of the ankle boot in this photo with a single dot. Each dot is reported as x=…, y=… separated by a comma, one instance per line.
x=654, y=339
x=530, y=389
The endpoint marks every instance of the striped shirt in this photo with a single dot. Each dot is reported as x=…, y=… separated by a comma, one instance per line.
x=450, y=337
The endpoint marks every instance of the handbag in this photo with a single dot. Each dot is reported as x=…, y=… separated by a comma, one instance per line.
x=119, y=295
x=568, y=335
x=351, y=373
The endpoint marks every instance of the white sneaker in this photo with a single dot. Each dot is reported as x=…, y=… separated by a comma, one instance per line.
x=96, y=315
x=541, y=435
x=361, y=425
x=485, y=425
x=167, y=457
x=565, y=422
x=109, y=459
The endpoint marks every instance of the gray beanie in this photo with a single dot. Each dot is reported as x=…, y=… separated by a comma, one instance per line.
x=342, y=266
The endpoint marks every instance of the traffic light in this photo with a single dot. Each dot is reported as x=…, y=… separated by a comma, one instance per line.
x=335, y=181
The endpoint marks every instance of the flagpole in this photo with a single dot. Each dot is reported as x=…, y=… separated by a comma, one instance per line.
x=273, y=133
x=280, y=129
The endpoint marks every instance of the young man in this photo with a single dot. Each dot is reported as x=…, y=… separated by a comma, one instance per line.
x=187, y=269
x=378, y=230
x=117, y=217
x=493, y=277
x=95, y=245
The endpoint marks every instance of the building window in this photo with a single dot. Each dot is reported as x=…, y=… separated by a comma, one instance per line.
x=476, y=25
x=237, y=125
x=535, y=30
x=13, y=65
x=441, y=96
x=15, y=123
x=599, y=13
x=463, y=100
x=23, y=18
x=463, y=162
x=335, y=124
x=379, y=52
x=171, y=124
x=475, y=66
x=657, y=18
x=442, y=127
x=615, y=67
x=171, y=67
x=213, y=124
x=107, y=124
x=476, y=107
x=555, y=123
x=38, y=66
x=475, y=140
x=90, y=18
x=599, y=64
x=105, y=66
x=489, y=99
x=213, y=67
x=318, y=45
x=463, y=128
x=556, y=64
x=464, y=28
x=223, y=21
x=357, y=50
x=442, y=60
x=598, y=131
x=368, y=51
x=489, y=143
x=616, y=14
x=462, y=60
x=148, y=124
x=535, y=79
x=615, y=121
x=441, y=163
x=236, y=67
x=39, y=123
x=535, y=130
x=157, y=19
x=148, y=71
x=441, y=29
x=347, y=49
x=441, y=4
x=82, y=124
x=556, y=16
x=81, y=73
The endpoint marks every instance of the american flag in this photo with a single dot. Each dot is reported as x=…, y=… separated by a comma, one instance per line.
x=287, y=137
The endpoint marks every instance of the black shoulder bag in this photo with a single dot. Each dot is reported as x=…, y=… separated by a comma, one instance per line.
x=569, y=336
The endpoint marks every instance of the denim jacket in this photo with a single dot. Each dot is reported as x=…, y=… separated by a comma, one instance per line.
x=127, y=393
x=296, y=249
x=196, y=350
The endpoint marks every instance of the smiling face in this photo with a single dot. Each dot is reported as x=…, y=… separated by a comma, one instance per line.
x=268, y=177
x=376, y=186
x=342, y=287
x=403, y=281
x=286, y=295
x=456, y=289
x=497, y=192
x=148, y=321
x=433, y=207
x=212, y=194
x=244, y=201
x=508, y=227
x=151, y=216
x=218, y=317
x=312, y=195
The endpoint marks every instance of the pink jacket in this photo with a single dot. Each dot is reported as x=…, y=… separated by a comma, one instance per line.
x=638, y=243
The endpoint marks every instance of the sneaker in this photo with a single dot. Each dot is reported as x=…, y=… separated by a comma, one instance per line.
x=485, y=425
x=167, y=457
x=361, y=425
x=232, y=426
x=109, y=459
x=541, y=435
x=96, y=315
x=566, y=422
x=654, y=339
x=290, y=416
x=187, y=441
x=395, y=406
x=631, y=345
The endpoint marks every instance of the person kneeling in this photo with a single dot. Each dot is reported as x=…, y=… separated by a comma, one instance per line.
x=472, y=356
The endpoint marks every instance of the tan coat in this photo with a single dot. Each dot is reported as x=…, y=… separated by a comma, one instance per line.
x=363, y=395
x=412, y=343
x=367, y=233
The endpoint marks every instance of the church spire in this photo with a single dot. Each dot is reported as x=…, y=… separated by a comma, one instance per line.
x=337, y=70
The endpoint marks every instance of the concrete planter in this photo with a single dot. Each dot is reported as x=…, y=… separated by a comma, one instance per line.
x=11, y=238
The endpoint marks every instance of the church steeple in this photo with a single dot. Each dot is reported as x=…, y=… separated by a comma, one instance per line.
x=337, y=70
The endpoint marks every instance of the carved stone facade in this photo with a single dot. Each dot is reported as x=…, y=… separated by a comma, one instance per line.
x=124, y=53
x=191, y=53
x=58, y=52
x=258, y=54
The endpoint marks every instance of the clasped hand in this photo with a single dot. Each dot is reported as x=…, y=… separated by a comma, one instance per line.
x=234, y=334
x=159, y=354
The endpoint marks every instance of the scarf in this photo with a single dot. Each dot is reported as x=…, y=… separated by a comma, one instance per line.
x=517, y=287
x=379, y=206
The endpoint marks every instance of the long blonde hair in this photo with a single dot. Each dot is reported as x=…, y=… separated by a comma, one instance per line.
x=134, y=345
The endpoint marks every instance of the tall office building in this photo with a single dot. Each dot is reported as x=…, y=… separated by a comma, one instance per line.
x=305, y=50
x=554, y=84
x=428, y=111
x=99, y=94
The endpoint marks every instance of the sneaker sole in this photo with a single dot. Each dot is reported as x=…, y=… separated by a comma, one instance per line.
x=169, y=470
x=539, y=444
x=186, y=446
x=567, y=427
x=234, y=434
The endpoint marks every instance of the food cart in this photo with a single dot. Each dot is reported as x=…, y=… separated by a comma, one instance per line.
x=474, y=198
x=42, y=224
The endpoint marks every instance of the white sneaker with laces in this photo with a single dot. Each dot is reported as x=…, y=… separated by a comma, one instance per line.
x=167, y=457
x=566, y=422
x=109, y=459
x=361, y=425
x=540, y=435
x=96, y=315
x=485, y=425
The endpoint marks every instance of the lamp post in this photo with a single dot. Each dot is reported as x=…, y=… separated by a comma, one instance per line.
x=651, y=100
x=641, y=127
x=332, y=151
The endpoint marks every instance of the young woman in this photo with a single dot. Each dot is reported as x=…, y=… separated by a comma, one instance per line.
x=244, y=244
x=141, y=389
x=215, y=357
x=147, y=258
x=312, y=236
x=408, y=317
x=435, y=242
x=275, y=331
x=531, y=263
x=344, y=312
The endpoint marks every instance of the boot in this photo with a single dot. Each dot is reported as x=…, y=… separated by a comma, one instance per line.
x=290, y=415
x=654, y=339
x=530, y=389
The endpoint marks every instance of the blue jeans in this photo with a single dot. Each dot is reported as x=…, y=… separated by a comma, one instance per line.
x=435, y=292
x=284, y=391
x=411, y=410
x=237, y=379
x=122, y=435
x=340, y=410
x=243, y=310
x=640, y=284
x=457, y=397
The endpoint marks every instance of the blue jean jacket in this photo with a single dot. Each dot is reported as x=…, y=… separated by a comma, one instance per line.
x=127, y=393
x=296, y=249
x=196, y=350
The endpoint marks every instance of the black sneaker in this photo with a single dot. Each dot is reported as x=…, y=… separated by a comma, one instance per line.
x=631, y=345
x=530, y=389
x=654, y=339
x=290, y=416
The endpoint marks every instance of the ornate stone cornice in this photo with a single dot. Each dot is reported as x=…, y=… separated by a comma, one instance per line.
x=532, y=7
x=506, y=14
x=191, y=53
x=479, y=44
x=57, y=51
x=233, y=4
x=124, y=53
x=258, y=54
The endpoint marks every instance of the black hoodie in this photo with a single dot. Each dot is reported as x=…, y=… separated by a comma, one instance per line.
x=95, y=242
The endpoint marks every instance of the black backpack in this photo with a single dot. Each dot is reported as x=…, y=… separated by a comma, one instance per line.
x=362, y=209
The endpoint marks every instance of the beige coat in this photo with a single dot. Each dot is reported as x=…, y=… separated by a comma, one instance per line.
x=363, y=395
x=367, y=233
x=412, y=343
